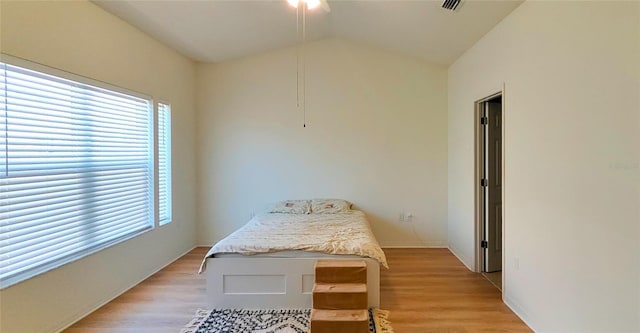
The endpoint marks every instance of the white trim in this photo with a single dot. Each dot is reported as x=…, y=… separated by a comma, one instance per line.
x=518, y=310
x=478, y=210
x=490, y=97
x=504, y=196
x=75, y=318
x=460, y=258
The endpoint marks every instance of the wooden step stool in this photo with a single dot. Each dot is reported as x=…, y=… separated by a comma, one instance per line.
x=341, y=271
x=340, y=297
x=339, y=321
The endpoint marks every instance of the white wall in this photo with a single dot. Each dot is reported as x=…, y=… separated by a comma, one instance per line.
x=571, y=71
x=375, y=135
x=81, y=38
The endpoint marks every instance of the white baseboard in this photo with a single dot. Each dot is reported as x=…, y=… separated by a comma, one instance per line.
x=512, y=304
x=72, y=320
x=518, y=310
x=461, y=258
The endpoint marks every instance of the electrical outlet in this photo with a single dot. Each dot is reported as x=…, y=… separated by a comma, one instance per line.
x=401, y=217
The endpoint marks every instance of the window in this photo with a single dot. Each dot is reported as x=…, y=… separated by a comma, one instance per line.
x=76, y=167
x=164, y=163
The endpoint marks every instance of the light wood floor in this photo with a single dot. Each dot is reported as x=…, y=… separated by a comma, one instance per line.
x=426, y=290
x=495, y=278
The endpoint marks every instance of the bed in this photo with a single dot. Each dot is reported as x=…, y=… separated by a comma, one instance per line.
x=269, y=262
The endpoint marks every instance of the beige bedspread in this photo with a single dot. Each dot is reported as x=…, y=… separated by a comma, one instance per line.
x=348, y=233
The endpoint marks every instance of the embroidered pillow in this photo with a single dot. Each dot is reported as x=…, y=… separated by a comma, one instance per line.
x=291, y=207
x=330, y=206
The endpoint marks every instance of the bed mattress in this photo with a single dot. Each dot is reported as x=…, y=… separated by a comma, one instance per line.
x=284, y=254
x=302, y=235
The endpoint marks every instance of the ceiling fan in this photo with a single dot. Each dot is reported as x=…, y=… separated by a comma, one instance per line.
x=302, y=7
x=311, y=4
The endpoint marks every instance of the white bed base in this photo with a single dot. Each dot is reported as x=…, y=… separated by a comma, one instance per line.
x=272, y=283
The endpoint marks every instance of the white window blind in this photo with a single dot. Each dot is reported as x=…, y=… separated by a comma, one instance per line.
x=77, y=168
x=164, y=163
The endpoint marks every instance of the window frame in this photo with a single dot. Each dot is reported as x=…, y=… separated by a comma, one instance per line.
x=153, y=194
x=160, y=222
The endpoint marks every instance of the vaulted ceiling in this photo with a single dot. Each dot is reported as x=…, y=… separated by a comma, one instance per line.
x=213, y=31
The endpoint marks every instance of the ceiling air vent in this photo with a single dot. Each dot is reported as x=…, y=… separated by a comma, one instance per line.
x=450, y=4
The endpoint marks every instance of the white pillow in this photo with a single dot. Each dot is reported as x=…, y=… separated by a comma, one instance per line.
x=330, y=206
x=291, y=207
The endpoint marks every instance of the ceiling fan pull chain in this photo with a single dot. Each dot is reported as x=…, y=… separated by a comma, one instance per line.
x=298, y=57
x=304, y=64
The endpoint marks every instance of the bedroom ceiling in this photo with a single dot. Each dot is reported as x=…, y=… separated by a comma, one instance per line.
x=213, y=31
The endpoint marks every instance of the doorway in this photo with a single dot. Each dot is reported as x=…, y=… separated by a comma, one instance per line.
x=489, y=176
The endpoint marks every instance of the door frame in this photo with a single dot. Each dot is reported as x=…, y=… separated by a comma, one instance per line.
x=478, y=191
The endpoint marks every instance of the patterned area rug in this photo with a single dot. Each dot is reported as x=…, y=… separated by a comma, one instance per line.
x=268, y=321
